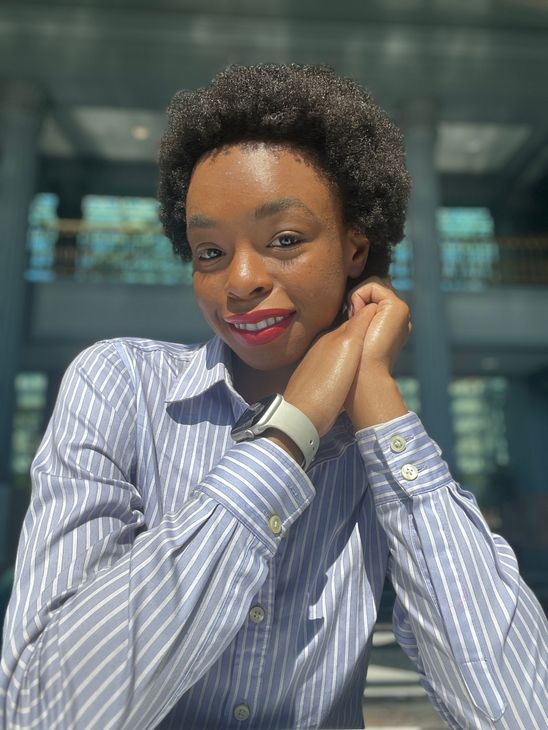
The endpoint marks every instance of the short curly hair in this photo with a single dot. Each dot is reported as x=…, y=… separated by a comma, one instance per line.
x=308, y=107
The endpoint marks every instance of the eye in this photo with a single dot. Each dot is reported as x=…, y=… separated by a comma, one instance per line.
x=208, y=254
x=287, y=240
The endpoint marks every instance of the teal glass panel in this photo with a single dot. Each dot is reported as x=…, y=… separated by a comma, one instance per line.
x=41, y=237
x=468, y=247
x=481, y=446
x=401, y=268
x=30, y=394
x=469, y=252
x=124, y=243
x=480, y=439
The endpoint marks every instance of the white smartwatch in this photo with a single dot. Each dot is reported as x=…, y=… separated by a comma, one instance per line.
x=275, y=412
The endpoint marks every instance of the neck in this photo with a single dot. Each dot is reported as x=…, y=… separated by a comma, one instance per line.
x=253, y=384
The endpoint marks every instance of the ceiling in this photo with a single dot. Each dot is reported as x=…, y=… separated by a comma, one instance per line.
x=108, y=69
x=126, y=135
x=483, y=60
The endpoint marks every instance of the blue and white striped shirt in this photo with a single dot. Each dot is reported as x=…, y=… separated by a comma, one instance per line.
x=152, y=588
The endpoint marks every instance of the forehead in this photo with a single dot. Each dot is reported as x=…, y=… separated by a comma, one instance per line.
x=251, y=173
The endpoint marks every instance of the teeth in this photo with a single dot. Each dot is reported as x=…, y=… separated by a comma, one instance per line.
x=259, y=325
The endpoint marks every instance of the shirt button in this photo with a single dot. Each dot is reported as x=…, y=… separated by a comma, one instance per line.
x=257, y=614
x=241, y=712
x=397, y=444
x=275, y=524
x=409, y=472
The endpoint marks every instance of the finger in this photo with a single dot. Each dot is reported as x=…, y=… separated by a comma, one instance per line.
x=371, y=292
x=361, y=319
x=382, y=281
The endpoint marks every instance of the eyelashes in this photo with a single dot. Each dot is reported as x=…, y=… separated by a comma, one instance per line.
x=294, y=240
x=211, y=253
x=201, y=257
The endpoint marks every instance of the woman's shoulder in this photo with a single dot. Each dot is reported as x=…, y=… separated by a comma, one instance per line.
x=140, y=358
x=145, y=347
x=140, y=347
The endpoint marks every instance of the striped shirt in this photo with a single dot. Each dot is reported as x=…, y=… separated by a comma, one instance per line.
x=154, y=589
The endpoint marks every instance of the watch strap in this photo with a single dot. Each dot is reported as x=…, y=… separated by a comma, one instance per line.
x=300, y=429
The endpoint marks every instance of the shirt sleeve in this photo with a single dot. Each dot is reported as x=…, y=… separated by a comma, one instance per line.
x=463, y=615
x=109, y=622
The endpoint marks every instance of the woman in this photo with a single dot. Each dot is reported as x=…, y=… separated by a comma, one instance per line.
x=211, y=527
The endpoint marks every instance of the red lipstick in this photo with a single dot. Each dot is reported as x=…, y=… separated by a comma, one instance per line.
x=265, y=334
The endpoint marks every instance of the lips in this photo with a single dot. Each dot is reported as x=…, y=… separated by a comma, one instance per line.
x=265, y=334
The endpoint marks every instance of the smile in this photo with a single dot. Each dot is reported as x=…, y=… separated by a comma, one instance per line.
x=259, y=325
x=260, y=333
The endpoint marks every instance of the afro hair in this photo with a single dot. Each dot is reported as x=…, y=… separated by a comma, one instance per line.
x=308, y=107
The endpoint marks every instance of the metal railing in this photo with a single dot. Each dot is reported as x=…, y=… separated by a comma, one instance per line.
x=75, y=249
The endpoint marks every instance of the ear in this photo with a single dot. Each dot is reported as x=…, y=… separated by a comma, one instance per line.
x=357, y=248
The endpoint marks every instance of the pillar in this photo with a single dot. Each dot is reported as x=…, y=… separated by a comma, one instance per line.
x=70, y=190
x=525, y=518
x=430, y=337
x=527, y=430
x=21, y=111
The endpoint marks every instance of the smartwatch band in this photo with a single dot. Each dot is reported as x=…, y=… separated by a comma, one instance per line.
x=275, y=412
x=300, y=429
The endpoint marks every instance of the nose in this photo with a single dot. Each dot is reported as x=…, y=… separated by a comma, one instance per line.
x=248, y=274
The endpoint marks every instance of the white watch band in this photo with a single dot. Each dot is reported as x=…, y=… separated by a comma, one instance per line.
x=300, y=429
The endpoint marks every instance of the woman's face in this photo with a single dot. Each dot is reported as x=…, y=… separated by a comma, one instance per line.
x=266, y=233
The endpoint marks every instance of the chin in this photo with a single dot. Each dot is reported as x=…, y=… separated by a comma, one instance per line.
x=271, y=358
x=268, y=363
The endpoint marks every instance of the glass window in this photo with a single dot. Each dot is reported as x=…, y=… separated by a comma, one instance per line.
x=469, y=249
x=119, y=240
x=30, y=394
x=469, y=252
x=124, y=243
x=401, y=268
x=41, y=237
x=480, y=440
x=481, y=447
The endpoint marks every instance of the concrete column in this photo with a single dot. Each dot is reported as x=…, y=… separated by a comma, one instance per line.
x=526, y=515
x=527, y=430
x=70, y=190
x=22, y=108
x=430, y=336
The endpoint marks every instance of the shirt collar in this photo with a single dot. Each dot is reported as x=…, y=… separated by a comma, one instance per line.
x=210, y=364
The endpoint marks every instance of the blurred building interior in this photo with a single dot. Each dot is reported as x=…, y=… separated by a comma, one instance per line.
x=83, y=91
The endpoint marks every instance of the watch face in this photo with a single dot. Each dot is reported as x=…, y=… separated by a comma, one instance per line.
x=252, y=415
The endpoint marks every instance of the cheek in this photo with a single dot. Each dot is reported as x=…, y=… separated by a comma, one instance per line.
x=328, y=286
x=204, y=295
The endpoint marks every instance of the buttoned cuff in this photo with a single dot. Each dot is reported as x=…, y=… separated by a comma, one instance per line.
x=401, y=459
x=262, y=486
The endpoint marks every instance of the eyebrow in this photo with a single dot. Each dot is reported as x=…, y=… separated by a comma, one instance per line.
x=263, y=211
x=277, y=206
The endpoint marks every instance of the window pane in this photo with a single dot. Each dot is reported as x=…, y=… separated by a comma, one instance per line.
x=30, y=393
x=41, y=237
x=125, y=243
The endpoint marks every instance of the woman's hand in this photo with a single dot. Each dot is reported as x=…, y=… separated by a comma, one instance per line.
x=390, y=326
x=374, y=396
x=351, y=363
x=322, y=380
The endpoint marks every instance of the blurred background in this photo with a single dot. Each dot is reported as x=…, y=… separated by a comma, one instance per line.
x=83, y=89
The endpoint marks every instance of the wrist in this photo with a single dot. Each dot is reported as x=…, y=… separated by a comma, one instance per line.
x=282, y=440
x=376, y=399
